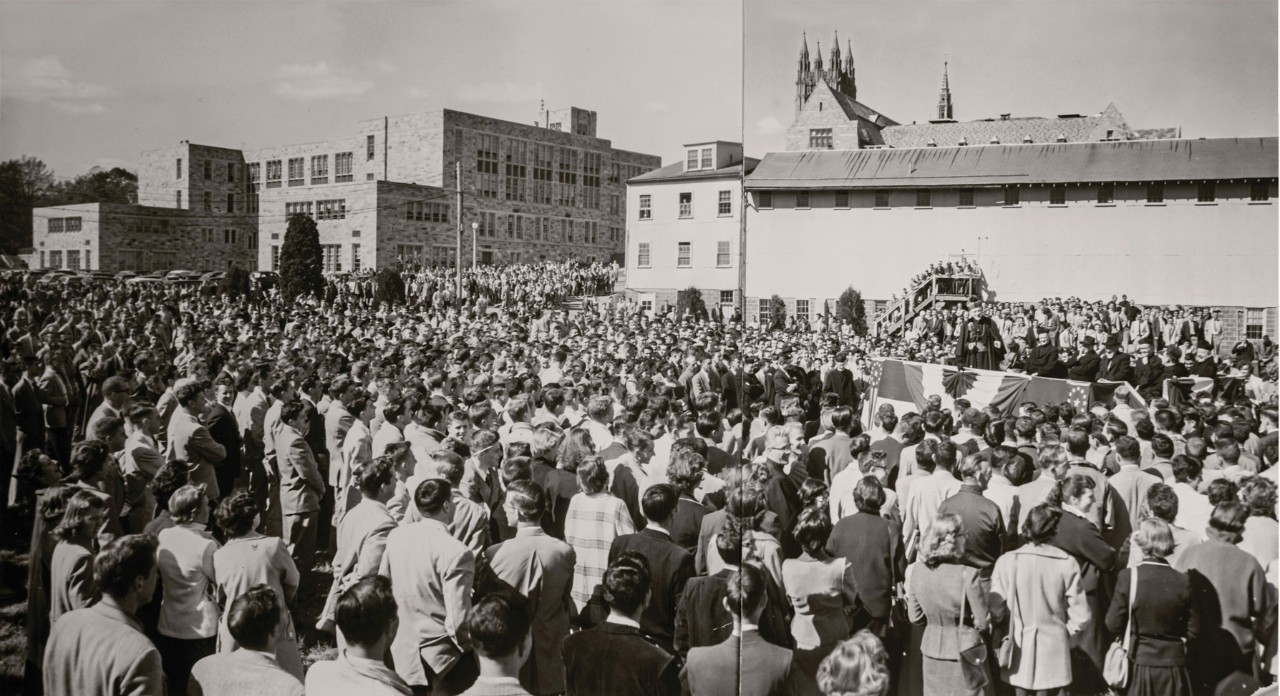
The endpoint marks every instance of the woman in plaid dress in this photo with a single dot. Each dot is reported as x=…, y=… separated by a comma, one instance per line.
x=595, y=517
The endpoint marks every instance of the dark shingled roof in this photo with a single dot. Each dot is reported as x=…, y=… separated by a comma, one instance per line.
x=1072, y=129
x=995, y=165
x=676, y=171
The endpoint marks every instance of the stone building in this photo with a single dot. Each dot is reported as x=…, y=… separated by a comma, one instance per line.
x=387, y=193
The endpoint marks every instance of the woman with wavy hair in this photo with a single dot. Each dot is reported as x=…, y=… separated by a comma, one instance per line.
x=857, y=667
x=949, y=599
x=71, y=571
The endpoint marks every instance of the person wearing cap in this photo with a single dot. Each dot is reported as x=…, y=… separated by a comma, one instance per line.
x=978, y=343
x=1147, y=371
x=1205, y=365
x=1084, y=367
x=1042, y=360
x=1115, y=365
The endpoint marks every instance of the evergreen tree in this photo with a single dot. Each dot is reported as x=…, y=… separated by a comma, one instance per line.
x=389, y=287
x=236, y=282
x=689, y=301
x=301, y=259
x=777, y=313
x=850, y=308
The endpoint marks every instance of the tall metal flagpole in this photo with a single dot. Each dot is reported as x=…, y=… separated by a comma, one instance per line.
x=457, y=249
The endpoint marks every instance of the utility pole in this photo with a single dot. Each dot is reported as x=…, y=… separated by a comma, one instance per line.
x=475, y=231
x=457, y=268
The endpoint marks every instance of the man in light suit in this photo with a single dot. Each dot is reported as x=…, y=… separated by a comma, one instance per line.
x=190, y=440
x=8, y=429
x=301, y=484
x=139, y=463
x=539, y=567
x=56, y=398
x=744, y=664
x=362, y=535
x=252, y=619
x=357, y=450
x=431, y=575
x=337, y=421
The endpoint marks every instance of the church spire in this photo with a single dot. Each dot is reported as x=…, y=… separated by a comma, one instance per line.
x=835, y=55
x=945, y=109
x=817, y=62
x=804, y=51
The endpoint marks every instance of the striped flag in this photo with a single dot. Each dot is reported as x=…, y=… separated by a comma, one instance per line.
x=908, y=386
x=1185, y=390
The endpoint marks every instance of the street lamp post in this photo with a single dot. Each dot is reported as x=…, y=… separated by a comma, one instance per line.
x=475, y=230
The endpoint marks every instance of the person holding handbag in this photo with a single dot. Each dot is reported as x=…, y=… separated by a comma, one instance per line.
x=949, y=599
x=1153, y=617
x=1037, y=590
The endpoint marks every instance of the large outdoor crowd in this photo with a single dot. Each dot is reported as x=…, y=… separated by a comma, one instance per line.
x=519, y=499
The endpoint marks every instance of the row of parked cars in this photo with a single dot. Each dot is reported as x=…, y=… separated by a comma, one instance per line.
x=46, y=276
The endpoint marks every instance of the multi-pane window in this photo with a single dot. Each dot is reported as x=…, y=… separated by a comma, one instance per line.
x=646, y=209
x=842, y=199
x=55, y=259
x=692, y=162
x=274, y=173
x=643, y=258
x=487, y=154
x=355, y=258
x=231, y=202
x=1207, y=192
x=178, y=167
x=57, y=225
x=1106, y=193
x=706, y=158
x=764, y=308
x=331, y=210
x=722, y=254
x=275, y=257
x=1057, y=195
x=410, y=252
x=819, y=138
x=802, y=199
x=368, y=147
x=332, y=254
x=342, y=163
x=1011, y=196
x=726, y=297
x=516, y=165
x=1259, y=191
x=427, y=212
x=683, y=255
x=319, y=169
x=255, y=175
x=686, y=205
x=924, y=198
x=764, y=199
x=1155, y=192
x=231, y=237
x=295, y=171
x=298, y=208
x=73, y=224
x=966, y=198
x=613, y=204
x=1254, y=319
x=802, y=308
x=724, y=205
x=882, y=199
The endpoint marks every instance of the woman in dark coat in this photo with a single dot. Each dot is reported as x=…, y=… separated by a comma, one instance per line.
x=1164, y=617
x=1078, y=537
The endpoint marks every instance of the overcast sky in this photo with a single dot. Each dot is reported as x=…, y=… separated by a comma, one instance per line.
x=95, y=83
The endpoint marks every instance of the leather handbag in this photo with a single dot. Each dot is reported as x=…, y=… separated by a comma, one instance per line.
x=1115, y=669
x=973, y=659
x=1004, y=653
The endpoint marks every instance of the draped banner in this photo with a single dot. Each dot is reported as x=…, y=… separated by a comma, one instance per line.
x=908, y=386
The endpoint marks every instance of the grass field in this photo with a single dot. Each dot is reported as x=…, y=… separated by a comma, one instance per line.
x=14, y=541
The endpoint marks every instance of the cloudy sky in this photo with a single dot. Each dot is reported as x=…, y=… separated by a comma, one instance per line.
x=95, y=83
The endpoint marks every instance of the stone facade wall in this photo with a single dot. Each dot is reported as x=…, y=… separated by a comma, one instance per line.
x=159, y=183
x=822, y=111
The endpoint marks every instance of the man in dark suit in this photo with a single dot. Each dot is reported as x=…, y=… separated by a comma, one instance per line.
x=873, y=547
x=784, y=385
x=615, y=657
x=1084, y=367
x=226, y=432
x=782, y=497
x=1206, y=365
x=744, y=664
x=670, y=566
x=8, y=428
x=839, y=381
x=29, y=405
x=1147, y=372
x=1115, y=365
x=1042, y=360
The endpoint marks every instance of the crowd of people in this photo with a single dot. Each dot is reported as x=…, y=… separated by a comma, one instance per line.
x=496, y=496
x=544, y=285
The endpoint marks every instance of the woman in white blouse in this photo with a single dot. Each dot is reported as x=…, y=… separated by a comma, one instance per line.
x=188, y=624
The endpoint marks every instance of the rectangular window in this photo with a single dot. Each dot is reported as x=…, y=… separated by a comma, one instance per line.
x=682, y=255
x=1106, y=193
x=231, y=202
x=319, y=169
x=643, y=259
x=331, y=210
x=296, y=177
x=725, y=204
x=691, y=163
x=275, y=257
x=57, y=225
x=882, y=199
x=255, y=175
x=516, y=169
x=1207, y=193
x=1254, y=318
x=722, y=254
x=764, y=309
x=765, y=199
x=819, y=138
x=231, y=172
x=924, y=198
x=1260, y=191
x=208, y=201
x=1057, y=195
x=802, y=199
x=342, y=167
x=73, y=224
x=842, y=199
x=274, y=173
x=178, y=167
x=55, y=259
x=355, y=258
x=686, y=205
x=177, y=199
x=966, y=198
x=706, y=158
x=368, y=148
x=1155, y=192
x=726, y=297
x=613, y=204
x=802, y=308
x=332, y=257
x=487, y=155
x=1011, y=196
x=208, y=170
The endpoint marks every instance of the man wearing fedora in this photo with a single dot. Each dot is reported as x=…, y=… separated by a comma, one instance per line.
x=1115, y=365
x=1084, y=367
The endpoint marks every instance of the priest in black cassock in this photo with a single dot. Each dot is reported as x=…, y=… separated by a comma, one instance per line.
x=979, y=344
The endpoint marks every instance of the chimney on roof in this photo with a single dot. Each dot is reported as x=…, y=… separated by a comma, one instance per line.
x=963, y=141
x=995, y=141
x=1027, y=139
x=1005, y=117
x=1061, y=138
x=931, y=143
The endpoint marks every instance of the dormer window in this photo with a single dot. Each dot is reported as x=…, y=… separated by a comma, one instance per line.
x=706, y=158
x=691, y=164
